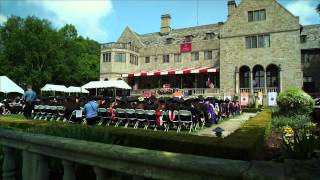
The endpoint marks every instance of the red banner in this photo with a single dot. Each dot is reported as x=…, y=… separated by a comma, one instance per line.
x=185, y=47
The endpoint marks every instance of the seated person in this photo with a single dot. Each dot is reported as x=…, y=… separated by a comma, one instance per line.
x=70, y=106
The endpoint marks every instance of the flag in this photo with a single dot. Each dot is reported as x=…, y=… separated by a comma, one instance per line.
x=244, y=99
x=260, y=98
x=272, y=98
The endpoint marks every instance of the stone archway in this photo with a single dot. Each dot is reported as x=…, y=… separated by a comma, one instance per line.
x=244, y=73
x=258, y=79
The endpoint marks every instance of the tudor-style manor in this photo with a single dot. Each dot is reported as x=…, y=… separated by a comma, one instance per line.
x=257, y=49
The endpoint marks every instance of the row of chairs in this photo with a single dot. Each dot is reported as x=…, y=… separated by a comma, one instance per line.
x=124, y=117
x=51, y=113
x=148, y=119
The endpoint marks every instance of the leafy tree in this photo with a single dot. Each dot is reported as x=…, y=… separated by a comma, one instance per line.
x=318, y=8
x=32, y=51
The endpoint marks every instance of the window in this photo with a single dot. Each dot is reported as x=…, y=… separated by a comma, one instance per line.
x=259, y=41
x=188, y=38
x=258, y=15
x=303, y=38
x=209, y=36
x=133, y=59
x=169, y=40
x=166, y=58
x=147, y=60
x=207, y=55
x=177, y=57
x=106, y=57
x=307, y=79
x=194, y=56
x=120, y=57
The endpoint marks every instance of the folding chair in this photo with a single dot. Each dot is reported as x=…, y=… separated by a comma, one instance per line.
x=121, y=116
x=60, y=110
x=165, y=119
x=131, y=116
x=77, y=114
x=151, y=119
x=185, y=118
x=53, y=110
x=36, y=112
x=141, y=117
x=175, y=122
x=102, y=113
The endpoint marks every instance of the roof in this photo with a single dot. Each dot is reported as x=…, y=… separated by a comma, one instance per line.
x=178, y=35
x=8, y=86
x=312, y=33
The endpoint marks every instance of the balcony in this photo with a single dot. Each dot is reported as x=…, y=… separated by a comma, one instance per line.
x=189, y=91
x=116, y=45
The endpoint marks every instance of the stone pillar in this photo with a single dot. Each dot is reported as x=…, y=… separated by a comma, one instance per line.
x=237, y=80
x=265, y=82
x=40, y=167
x=251, y=81
x=26, y=165
x=280, y=79
x=100, y=173
x=68, y=170
x=9, y=165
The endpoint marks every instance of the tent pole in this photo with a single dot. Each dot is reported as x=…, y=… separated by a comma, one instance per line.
x=96, y=91
x=115, y=92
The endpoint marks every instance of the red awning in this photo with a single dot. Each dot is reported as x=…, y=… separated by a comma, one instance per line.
x=172, y=72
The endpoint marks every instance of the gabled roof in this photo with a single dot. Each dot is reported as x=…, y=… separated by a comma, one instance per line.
x=312, y=33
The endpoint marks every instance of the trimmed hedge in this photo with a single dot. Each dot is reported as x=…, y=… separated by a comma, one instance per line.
x=251, y=110
x=245, y=144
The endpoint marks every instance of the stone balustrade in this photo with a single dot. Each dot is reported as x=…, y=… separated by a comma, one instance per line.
x=140, y=163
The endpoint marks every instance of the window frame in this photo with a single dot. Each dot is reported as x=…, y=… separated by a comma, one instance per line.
x=196, y=53
x=210, y=57
x=257, y=15
x=106, y=57
x=166, y=58
x=122, y=55
x=177, y=60
x=147, y=58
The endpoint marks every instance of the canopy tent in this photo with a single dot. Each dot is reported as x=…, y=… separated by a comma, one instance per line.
x=73, y=89
x=118, y=84
x=115, y=84
x=54, y=88
x=8, y=86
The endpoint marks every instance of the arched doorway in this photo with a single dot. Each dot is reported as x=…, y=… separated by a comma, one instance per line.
x=258, y=76
x=272, y=76
x=244, y=73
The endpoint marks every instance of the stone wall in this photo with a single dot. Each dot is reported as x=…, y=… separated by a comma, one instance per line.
x=284, y=47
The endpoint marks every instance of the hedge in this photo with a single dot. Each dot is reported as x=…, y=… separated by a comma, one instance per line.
x=244, y=144
x=251, y=110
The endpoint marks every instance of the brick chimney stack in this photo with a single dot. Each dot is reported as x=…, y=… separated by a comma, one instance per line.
x=165, y=24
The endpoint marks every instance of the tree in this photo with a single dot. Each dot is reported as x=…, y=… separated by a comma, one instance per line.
x=32, y=51
x=318, y=8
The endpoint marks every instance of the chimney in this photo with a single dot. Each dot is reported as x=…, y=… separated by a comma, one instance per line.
x=232, y=6
x=165, y=24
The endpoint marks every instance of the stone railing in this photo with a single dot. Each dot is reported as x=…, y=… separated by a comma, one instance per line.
x=116, y=45
x=247, y=90
x=258, y=89
x=272, y=89
x=191, y=91
x=139, y=163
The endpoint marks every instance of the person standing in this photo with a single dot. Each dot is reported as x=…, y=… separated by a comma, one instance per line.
x=29, y=98
x=91, y=111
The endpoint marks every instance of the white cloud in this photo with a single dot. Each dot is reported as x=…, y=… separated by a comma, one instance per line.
x=304, y=9
x=3, y=19
x=86, y=15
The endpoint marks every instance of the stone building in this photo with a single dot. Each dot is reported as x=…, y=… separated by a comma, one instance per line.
x=257, y=49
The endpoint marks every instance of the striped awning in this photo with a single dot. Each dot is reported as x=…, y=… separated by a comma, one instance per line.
x=171, y=72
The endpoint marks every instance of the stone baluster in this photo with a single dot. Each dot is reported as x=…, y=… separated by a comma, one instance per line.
x=40, y=167
x=100, y=173
x=68, y=170
x=26, y=165
x=9, y=166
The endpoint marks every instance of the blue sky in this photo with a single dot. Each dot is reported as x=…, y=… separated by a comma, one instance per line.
x=104, y=20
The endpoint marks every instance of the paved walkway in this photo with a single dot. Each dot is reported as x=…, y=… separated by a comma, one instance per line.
x=229, y=126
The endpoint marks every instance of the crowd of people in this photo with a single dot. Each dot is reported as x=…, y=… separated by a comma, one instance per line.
x=207, y=110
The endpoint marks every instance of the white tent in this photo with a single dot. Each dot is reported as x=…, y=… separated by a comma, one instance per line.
x=8, y=86
x=73, y=89
x=54, y=88
x=118, y=84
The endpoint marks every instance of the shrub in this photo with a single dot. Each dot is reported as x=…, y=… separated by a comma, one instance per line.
x=246, y=143
x=251, y=110
x=295, y=101
x=296, y=122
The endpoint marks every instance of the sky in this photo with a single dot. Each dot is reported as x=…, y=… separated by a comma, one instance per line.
x=104, y=20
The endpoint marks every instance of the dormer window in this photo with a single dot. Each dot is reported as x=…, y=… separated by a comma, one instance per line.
x=209, y=36
x=188, y=38
x=169, y=40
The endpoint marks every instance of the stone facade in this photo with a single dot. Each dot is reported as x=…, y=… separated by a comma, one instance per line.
x=227, y=41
